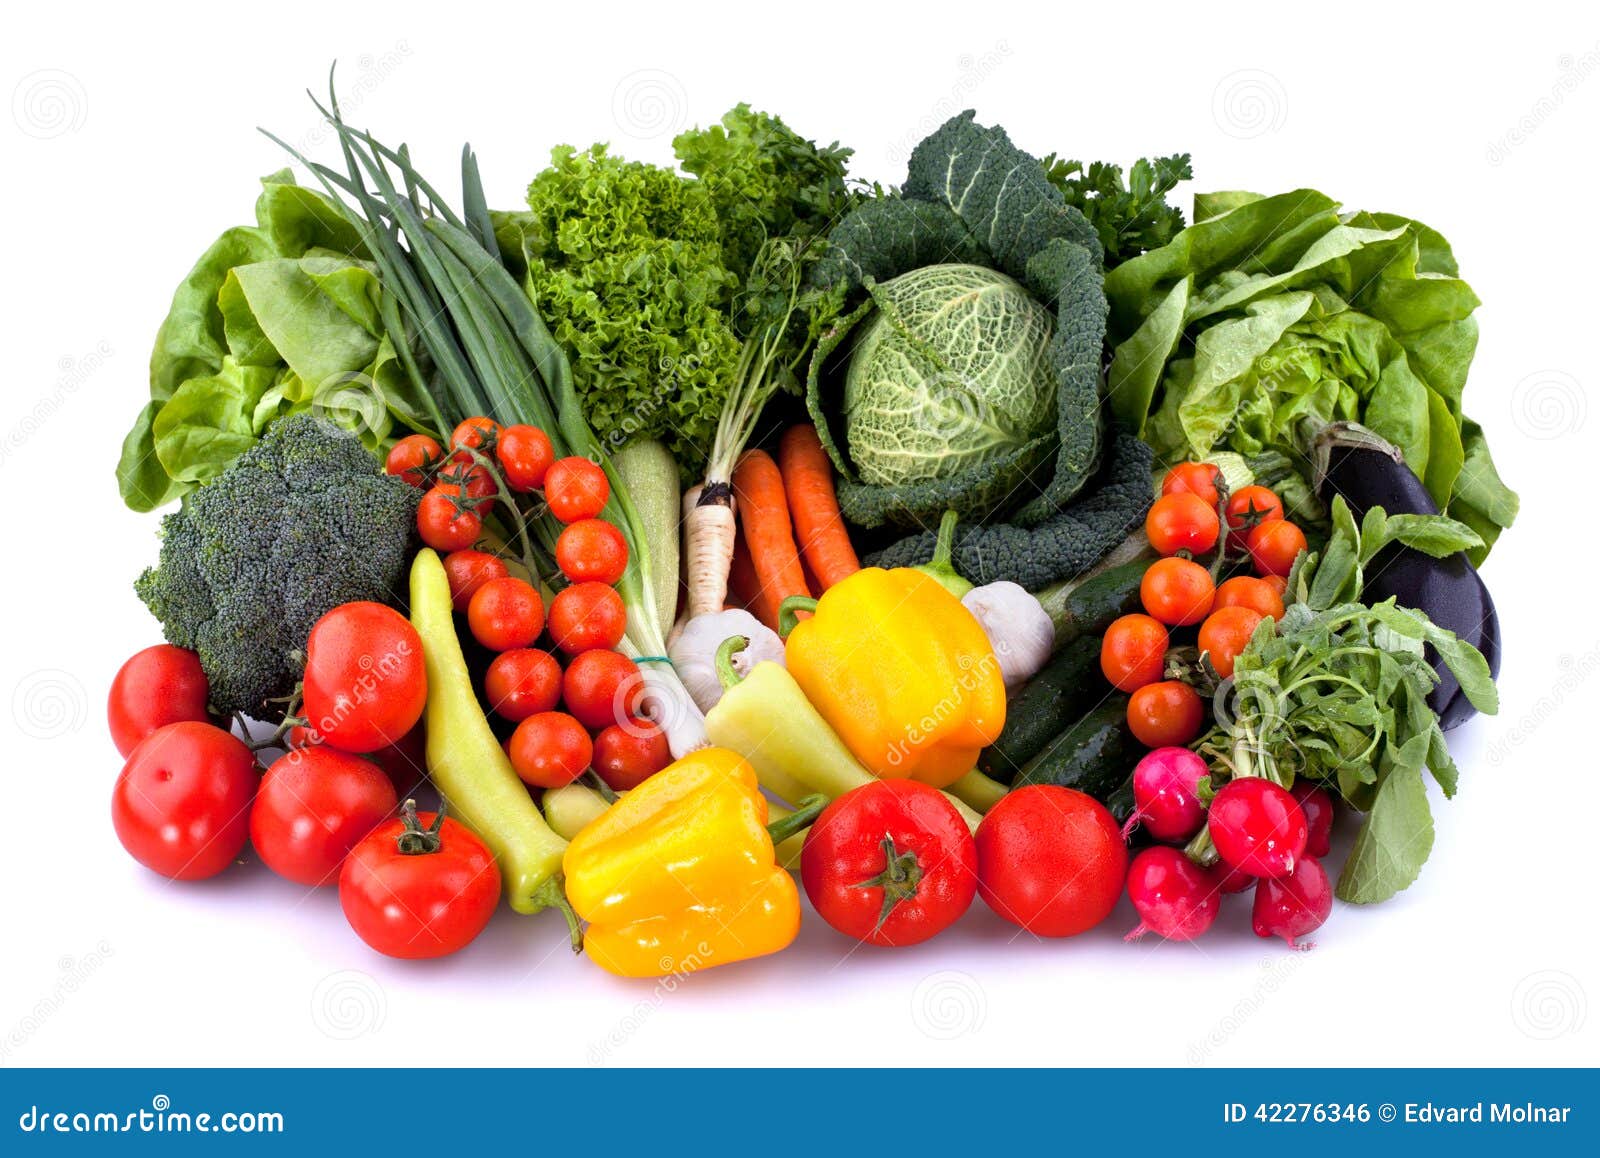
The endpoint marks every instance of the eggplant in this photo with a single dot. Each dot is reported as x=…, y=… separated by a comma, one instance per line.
x=1369, y=472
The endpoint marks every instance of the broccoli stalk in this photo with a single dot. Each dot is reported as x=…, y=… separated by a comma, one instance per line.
x=304, y=521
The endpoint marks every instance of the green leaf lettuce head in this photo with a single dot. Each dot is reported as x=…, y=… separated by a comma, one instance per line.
x=276, y=318
x=1271, y=317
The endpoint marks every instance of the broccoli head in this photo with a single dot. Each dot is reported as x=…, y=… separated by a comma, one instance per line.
x=304, y=521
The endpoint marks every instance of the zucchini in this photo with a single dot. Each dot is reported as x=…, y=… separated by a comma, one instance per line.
x=1088, y=608
x=1093, y=756
x=1044, y=707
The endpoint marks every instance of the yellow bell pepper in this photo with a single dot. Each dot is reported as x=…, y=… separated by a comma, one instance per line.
x=680, y=874
x=901, y=671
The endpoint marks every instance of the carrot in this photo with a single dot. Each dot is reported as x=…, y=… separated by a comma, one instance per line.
x=819, y=527
x=708, y=536
x=742, y=582
x=764, y=513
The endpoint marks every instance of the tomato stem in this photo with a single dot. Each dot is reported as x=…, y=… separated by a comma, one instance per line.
x=901, y=875
x=414, y=840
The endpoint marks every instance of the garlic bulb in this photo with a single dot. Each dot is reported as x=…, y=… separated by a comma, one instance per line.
x=694, y=652
x=1017, y=625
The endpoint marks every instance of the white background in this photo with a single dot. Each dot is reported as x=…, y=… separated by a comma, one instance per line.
x=130, y=144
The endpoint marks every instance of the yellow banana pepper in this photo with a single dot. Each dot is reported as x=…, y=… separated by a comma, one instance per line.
x=680, y=874
x=901, y=671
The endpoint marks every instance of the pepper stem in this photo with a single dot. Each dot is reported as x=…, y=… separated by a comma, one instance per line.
x=789, y=613
x=805, y=812
x=727, y=675
x=901, y=875
x=940, y=567
x=553, y=895
x=414, y=840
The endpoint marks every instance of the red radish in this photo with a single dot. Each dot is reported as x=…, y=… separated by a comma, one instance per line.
x=1164, y=784
x=1294, y=905
x=1318, y=807
x=1234, y=880
x=1257, y=827
x=1176, y=899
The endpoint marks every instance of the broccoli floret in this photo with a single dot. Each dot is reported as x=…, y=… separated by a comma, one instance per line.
x=304, y=521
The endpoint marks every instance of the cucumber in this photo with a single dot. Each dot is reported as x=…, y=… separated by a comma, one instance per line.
x=1094, y=755
x=1044, y=707
x=1088, y=608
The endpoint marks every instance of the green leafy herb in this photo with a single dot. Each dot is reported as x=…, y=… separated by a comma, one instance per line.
x=1129, y=218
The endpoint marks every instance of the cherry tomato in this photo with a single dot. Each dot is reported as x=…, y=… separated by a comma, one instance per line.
x=586, y=616
x=1249, y=507
x=444, y=525
x=1178, y=592
x=505, y=613
x=469, y=484
x=1274, y=546
x=525, y=456
x=1167, y=714
x=1278, y=583
x=550, y=750
x=419, y=886
x=1181, y=522
x=522, y=683
x=890, y=863
x=598, y=687
x=412, y=457
x=469, y=570
x=1133, y=652
x=1051, y=860
x=592, y=551
x=311, y=809
x=1256, y=594
x=477, y=433
x=181, y=806
x=157, y=686
x=629, y=753
x=365, y=681
x=1195, y=478
x=1224, y=635
x=576, y=489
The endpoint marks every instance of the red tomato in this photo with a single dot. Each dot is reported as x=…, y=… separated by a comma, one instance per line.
x=1195, y=478
x=478, y=433
x=523, y=682
x=312, y=807
x=586, y=616
x=471, y=486
x=405, y=762
x=419, y=886
x=890, y=863
x=1249, y=507
x=576, y=489
x=1256, y=594
x=365, y=682
x=1177, y=592
x=550, y=750
x=181, y=806
x=1224, y=635
x=412, y=457
x=505, y=614
x=1274, y=546
x=1051, y=860
x=444, y=525
x=598, y=687
x=1181, y=522
x=525, y=456
x=1278, y=583
x=1165, y=714
x=1133, y=652
x=629, y=753
x=469, y=570
x=157, y=686
x=592, y=551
